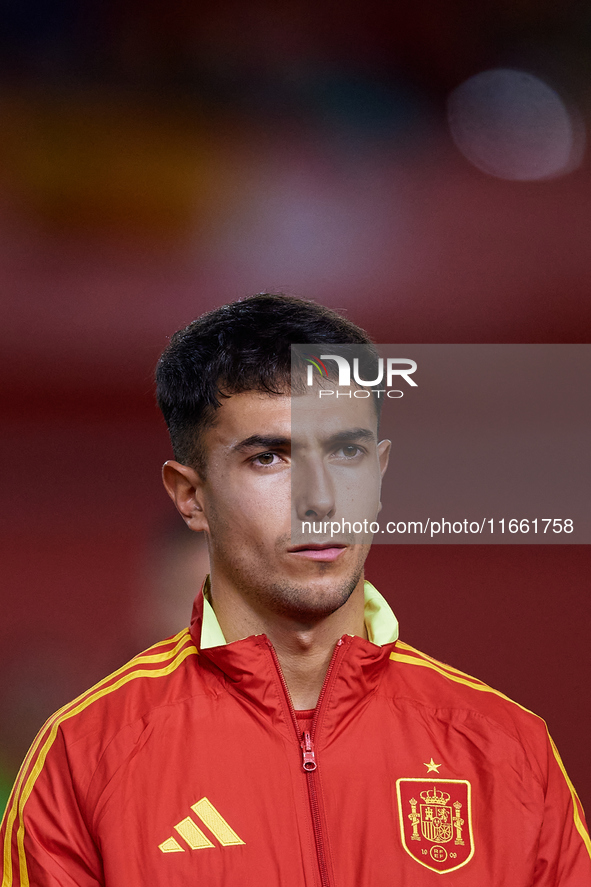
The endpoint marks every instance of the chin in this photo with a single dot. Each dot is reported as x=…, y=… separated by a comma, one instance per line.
x=314, y=600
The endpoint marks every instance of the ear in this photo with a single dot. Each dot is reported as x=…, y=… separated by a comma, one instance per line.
x=384, y=455
x=184, y=485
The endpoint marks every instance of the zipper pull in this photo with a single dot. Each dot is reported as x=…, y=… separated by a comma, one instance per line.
x=309, y=762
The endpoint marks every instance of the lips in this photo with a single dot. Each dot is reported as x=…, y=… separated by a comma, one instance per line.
x=319, y=551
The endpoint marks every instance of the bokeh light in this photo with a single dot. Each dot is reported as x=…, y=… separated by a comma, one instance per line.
x=514, y=126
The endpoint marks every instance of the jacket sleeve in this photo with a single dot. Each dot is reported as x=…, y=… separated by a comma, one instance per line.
x=564, y=849
x=45, y=838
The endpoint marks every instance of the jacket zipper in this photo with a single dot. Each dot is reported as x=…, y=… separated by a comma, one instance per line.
x=309, y=763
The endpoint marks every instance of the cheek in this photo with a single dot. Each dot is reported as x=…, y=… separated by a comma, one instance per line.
x=361, y=487
x=250, y=504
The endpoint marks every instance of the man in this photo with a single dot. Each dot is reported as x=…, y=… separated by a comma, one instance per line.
x=288, y=738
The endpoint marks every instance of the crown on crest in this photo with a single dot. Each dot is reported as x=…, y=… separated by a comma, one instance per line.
x=436, y=797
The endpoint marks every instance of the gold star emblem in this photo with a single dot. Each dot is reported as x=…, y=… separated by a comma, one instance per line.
x=432, y=766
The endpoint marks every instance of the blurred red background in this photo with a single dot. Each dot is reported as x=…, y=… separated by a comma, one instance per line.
x=157, y=160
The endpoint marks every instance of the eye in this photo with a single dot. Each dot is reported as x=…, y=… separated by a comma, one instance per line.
x=350, y=451
x=265, y=459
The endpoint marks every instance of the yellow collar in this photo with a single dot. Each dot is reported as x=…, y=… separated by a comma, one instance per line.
x=380, y=621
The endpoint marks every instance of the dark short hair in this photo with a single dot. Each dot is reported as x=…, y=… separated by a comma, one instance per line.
x=244, y=346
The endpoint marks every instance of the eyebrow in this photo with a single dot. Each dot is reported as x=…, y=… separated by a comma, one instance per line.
x=261, y=441
x=350, y=436
x=258, y=441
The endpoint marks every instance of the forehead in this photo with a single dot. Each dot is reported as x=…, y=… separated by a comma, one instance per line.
x=322, y=414
x=300, y=418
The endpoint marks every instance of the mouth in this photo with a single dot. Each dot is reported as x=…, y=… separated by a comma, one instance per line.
x=319, y=551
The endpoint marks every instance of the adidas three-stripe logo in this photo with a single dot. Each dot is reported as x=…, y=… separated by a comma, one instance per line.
x=195, y=837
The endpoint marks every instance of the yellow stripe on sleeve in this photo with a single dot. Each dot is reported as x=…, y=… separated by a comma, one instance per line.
x=181, y=638
x=457, y=676
x=130, y=671
x=444, y=665
x=575, y=798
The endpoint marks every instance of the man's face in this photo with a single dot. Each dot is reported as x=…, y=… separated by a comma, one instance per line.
x=269, y=471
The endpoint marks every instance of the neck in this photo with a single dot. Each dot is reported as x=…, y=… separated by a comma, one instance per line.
x=304, y=645
x=305, y=652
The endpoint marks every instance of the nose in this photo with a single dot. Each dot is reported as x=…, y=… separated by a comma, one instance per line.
x=312, y=491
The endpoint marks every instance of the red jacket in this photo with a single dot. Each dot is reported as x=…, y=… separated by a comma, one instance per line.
x=188, y=766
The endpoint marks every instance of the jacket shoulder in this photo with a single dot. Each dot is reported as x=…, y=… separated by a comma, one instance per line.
x=434, y=684
x=157, y=676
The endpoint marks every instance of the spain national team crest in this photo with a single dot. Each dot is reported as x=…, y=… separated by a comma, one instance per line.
x=436, y=822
